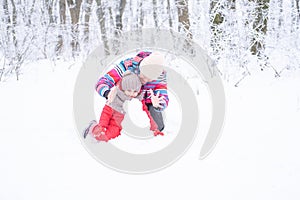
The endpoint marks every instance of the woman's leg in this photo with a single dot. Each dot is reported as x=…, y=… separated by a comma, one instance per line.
x=157, y=117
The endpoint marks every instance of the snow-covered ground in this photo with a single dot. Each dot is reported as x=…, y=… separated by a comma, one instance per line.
x=42, y=156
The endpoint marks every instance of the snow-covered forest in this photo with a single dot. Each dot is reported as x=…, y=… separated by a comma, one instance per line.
x=243, y=37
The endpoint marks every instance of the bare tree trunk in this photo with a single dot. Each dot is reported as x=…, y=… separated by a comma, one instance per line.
x=280, y=18
x=280, y=13
x=216, y=18
x=6, y=18
x=59, y=46
x=87, y=19
x=119, y=15
x=298, y=9
x=119, y=25
x=155, y=17
x=62, y=11
x=294, y=17
x=62, y=18
x=6, y=13
x=141, y=13
x=183, y=17
x=30, y=13
x=170, y=16
x=74, y=8
x=260, y=27
x=49, y=6
x=111, y=18
x=7, y=21
x=139, y=20
x=14, y=23
x=101, y=20
x=15, y=62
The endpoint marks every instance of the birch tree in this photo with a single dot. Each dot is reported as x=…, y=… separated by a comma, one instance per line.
x=260, y=27
x=141, y=14
x=216, y=18
x=184, y=23
x=119, y=25
x=14, y=23
x=155, y=13
x=183, y=17
x=74, y=8
x=119, y=16
x=101, y=20
x=87, y=16
x=49, y=6
x=298, y=8
x=169, y=13
x=62, y=18
x=5, y=38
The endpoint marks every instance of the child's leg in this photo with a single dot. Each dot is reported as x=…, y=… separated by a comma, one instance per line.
x=105, y=117
x=114, y=128
x=157, y=117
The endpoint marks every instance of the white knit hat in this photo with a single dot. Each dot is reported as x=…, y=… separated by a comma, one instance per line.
x=152, y=66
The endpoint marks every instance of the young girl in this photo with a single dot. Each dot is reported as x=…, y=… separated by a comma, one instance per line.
x=112, y=115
